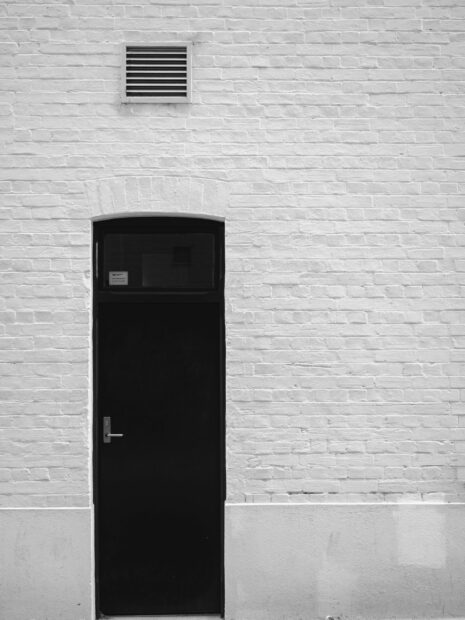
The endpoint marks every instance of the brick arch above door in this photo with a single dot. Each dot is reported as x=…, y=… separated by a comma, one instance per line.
x=145, y=195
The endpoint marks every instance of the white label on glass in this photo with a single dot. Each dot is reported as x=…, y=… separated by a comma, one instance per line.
x=118, y=278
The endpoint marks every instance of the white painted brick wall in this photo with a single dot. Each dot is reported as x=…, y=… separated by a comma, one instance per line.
x=338, y=128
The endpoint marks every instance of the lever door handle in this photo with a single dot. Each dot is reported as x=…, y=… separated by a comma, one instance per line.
x=107, y=434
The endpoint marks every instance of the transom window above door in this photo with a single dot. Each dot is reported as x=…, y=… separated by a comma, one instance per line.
x=161, y=257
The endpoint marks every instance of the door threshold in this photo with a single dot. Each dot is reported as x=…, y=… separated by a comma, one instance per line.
x=189, y=617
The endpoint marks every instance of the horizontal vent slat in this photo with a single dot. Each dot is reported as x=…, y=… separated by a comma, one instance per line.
x=169, y=86
x=153, y=61
x=155, y=54
x=161, y=65
x=155, y=95
x=156, y=76
x=151, y=93
x=155, y=72
x=156, y=81
x=155, y=48
x=157, y=58
x=156, y=61
x=156, y=88
x=161, y=69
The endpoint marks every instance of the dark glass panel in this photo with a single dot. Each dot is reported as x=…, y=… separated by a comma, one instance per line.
x=168, y=261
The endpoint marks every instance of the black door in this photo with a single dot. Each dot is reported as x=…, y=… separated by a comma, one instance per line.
x=159, y=382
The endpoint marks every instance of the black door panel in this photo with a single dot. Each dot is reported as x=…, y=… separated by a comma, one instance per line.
x=159, y=512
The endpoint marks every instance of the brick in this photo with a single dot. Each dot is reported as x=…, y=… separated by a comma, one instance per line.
x=338, y=136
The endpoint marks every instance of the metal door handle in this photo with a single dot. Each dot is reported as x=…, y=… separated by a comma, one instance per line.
x=107, y=434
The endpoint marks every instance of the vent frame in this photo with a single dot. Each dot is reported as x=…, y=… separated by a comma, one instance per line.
x=185, y=98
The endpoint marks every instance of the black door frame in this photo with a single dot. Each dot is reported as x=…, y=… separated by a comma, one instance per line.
x=148, y=224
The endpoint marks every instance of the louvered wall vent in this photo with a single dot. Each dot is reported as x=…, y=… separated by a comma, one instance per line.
x=156, y=73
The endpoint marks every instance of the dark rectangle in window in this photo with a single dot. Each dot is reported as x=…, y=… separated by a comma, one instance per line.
x=161, y=261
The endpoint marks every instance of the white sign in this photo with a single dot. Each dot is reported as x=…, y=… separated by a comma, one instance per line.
x=118, y=278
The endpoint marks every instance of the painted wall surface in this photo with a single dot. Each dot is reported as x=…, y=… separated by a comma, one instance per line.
x=283, y=562
x=45, y=569
x=329, y=135
x=293, y=562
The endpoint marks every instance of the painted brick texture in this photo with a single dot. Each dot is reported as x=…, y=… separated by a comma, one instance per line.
x=330, y=134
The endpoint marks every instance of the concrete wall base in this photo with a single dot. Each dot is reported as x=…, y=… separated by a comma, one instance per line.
x=46, y=568
x=283, y=562
x=303, y=562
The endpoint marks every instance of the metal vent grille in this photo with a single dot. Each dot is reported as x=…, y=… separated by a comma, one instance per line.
x=156, y=73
